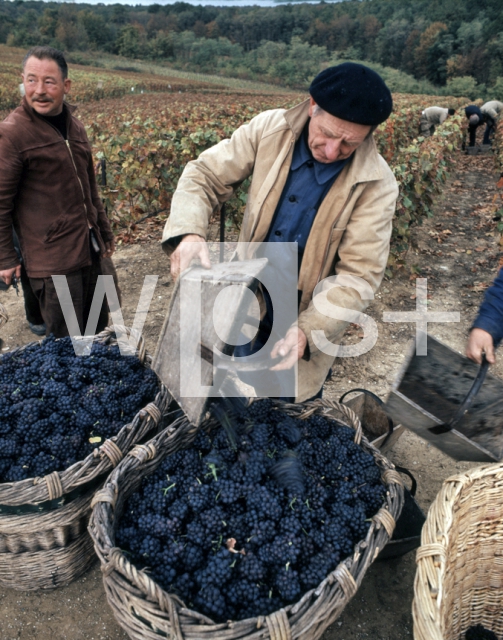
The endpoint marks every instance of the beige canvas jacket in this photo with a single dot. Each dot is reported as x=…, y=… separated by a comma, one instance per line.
x=350, y=234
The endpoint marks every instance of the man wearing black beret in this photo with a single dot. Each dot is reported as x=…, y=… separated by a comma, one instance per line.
x=318, y=180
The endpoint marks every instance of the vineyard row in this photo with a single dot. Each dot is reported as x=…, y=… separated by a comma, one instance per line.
x=148, y=141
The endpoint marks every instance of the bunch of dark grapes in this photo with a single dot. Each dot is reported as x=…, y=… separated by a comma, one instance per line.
x=269, y=512
x=478, y=632
x=56, y=407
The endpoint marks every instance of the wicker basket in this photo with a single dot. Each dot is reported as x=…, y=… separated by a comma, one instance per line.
x=145, y=611
x=4, y=316
x=459, y=577
x=43, y=521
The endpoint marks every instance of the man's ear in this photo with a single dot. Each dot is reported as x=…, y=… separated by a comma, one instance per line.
x=68, y=85
x=312, y=104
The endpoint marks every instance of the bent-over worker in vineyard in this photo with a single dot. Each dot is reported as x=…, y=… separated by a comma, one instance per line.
x=48, y=192
x=491, y=111
x=318, y=180
x=432, y=117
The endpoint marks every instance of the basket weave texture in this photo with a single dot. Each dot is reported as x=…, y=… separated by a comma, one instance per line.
x=459, y=576
x=4, y=316
x=43, y=528
x=147, y=612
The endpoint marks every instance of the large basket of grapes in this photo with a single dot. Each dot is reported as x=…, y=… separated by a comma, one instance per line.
x=458, y=589
x=263, y=533
x=65, y=422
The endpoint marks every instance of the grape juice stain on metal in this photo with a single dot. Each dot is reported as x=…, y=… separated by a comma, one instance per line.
x=185, y=357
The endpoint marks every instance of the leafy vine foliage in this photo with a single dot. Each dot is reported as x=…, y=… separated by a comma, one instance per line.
x=148, y=141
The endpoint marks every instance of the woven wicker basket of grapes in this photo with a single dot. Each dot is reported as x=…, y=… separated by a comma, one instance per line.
x=261, y=525
x=66, y=421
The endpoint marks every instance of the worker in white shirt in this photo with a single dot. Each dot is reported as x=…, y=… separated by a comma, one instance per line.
x=491, y=111
x=432, y=117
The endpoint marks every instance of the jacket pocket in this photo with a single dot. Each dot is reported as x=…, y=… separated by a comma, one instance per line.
x=55, y=228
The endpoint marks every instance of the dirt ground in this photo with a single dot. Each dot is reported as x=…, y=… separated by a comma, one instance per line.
x=457, y=250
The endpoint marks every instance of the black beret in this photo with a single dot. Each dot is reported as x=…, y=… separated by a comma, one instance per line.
x=352, y=92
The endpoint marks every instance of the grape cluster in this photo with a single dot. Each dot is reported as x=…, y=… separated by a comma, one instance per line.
x=56, y=407
x=478, y=632
x=219, y=526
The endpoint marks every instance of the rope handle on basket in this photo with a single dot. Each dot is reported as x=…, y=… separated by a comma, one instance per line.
x=429, y=550
x=144, y=452
x=384, y=518
x=278, y=626
x=153, y=411
x=54, y=486
x=107, y=494
x=344, y=578
x=391, y=476
x=112, y=451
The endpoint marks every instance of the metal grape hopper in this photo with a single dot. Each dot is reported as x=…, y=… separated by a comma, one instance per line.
x=185, y=358
x=441, y=397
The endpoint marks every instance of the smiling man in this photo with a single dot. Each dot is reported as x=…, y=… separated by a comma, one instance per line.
x=48, y=192
x=318, y=180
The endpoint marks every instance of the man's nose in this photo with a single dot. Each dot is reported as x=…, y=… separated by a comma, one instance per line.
x=40, y=87
x=333, y=150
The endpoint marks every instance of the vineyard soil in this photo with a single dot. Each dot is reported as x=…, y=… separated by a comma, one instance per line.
x=457, y=250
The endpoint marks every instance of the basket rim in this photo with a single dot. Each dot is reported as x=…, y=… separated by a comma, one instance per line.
x=431, y=556
x=38, y=490
x=348, y=574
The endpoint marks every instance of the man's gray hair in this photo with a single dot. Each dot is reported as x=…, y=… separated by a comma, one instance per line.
x=48, y=53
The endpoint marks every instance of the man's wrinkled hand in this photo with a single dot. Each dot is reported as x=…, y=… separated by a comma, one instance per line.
x=291, y=348
x=7, y=274
x=479, y=342
x=192, y=247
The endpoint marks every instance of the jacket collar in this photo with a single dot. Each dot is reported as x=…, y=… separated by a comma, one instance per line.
x=364, y=166
x=69, y=109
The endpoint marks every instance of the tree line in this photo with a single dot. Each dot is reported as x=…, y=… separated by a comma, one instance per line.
x=433, y=43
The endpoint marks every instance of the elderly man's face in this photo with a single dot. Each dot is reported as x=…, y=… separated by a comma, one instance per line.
x=331, y=138
x=44, y=86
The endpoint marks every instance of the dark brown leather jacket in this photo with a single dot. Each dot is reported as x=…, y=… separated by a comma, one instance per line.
x=48, y=191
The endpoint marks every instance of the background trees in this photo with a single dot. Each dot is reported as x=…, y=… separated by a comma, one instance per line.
x=439, y=41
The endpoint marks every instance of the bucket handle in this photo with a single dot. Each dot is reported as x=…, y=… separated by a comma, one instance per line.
x=467, y=402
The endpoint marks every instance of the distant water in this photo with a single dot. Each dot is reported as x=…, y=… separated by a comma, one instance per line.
x=213, y=3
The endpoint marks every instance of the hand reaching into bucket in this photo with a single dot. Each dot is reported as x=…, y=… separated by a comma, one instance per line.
x=192, y=247
x=479, y=342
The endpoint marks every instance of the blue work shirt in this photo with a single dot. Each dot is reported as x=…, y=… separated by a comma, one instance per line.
x=307, y=184
x=490, y=317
